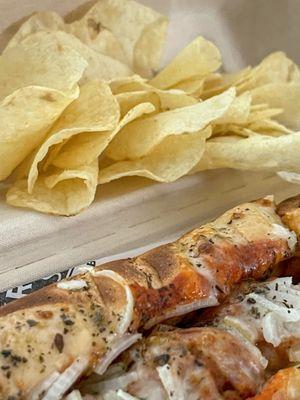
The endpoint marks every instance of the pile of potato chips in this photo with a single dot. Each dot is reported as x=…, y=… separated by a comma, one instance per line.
x=81, y=104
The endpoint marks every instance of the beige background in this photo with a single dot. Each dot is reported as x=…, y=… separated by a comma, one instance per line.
x=134, y=213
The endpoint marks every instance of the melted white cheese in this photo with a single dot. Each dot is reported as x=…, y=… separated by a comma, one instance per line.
x=77, y=284
x=279, y=308
x=284, y=233
x=84, y=269
x=171, y=383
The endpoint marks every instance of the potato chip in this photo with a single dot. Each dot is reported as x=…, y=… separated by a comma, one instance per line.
x=22, y=169
x=264, y=114
x=25, y=117
x=173, y=98
x=235, y=118
x=134, y=89
x=262, y=127
x=65, y=192
x=140, y=30
x=215, y=84
x=104, y=42
x=132, y=83
x=128, y=100
x=70, y=102
x=216, y=78
x=99, y=66
x=199, y=58
x=191, y=86
x=32, y=63
x=269, y=127
x=162, y=100
x=174, y=157
x=41, y=21
x=97, y=38
x=231, y=129
x=148, y=50
x=285, y=96
x=52, y=153
x=246, y=132
x=141, y=136
x=238, y=112
x=255, y=153
x=94, y=110
x=275, y=68
x=85, y=147
x=259, y=107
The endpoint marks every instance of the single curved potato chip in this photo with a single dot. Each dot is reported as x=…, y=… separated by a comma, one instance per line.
x=199, y=58
x=174, y=157
x=31, y=63
x=141, y=136
x=41, y=21
x=259, y=107
x=238, y=112
x=97, y=38
x=148, y=48
x=99, y=66
x=275, y=68
x=25, y=117
x=94, y=110
x=140, y=30
x=83, y=148
x=263, y=114
x=231, y=129
x=65, y=192
x=269, y=127
x=255, y=153
x=285, y=96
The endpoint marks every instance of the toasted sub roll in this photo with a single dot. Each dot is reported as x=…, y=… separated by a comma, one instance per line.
x=68, y=330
